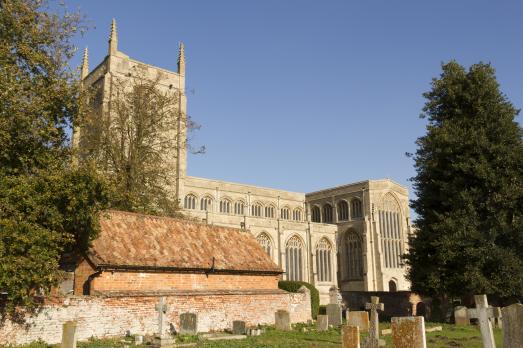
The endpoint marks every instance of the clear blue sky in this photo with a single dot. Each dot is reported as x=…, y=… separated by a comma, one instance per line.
x=304, y=95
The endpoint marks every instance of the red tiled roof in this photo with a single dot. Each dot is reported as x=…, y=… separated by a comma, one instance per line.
x=136, y=241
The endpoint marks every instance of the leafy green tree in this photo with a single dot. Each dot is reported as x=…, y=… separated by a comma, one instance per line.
x=469, y=189
x=47, y=207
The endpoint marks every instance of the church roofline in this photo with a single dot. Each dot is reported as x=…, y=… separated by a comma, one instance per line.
x=368, y=182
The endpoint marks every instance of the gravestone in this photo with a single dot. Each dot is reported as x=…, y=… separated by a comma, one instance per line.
x=238, y=327
x=322, y=322
x=161, y=308
x=513, y=326
x=408, y=332
x=350, y=336
x=360, y=319
x=69, y=335
x=484, y=313
x=188, y=323
x=334, y=314
x=461, y=316
x=283, y=320
x=334, y=296
x=373, y=340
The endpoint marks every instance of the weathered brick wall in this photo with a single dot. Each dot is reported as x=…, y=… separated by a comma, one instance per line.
x=99, y=316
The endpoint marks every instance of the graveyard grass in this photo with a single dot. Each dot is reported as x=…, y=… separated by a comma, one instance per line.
x=451, y=336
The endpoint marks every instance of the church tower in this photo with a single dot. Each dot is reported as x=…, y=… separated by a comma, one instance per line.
x=117, y=67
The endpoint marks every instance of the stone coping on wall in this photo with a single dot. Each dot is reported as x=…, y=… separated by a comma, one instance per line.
x=187, y=293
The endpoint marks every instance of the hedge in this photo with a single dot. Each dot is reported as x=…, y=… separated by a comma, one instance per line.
x=292, y=286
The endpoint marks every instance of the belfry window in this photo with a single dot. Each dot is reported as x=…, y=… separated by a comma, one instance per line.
x=323, y=261
x=225, y=206
x=239, y=207
x=265, y=242
x=189, y=202
x=356, y=209
x=269, y=211
x=327, y=213
x=294, y=259
x=315, y=214
x=296, y=214
x=285, y=213
x=256, y=209
x=343, y=211
x=206, y=204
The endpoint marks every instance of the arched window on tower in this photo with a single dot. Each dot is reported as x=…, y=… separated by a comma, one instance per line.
x=189, y=202
x=206, y=204
x=389, y=215
x=343, y=210
x=315, y=214
x=294, y=259
x=392, y=286
x=256, y=209
x=265, y=241
x=239, y=207
x=269, y=211
x=356, y=209
x=327, y=213
x=225, y=206
x=324, y=260
x=285, y=213
x=354, y=263
x=296, y=214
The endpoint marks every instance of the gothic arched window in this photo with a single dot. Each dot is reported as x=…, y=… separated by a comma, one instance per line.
x=206, y=204
x=239, y=207
x=315, y=214
x=354, y=256
x=265, y=241
x=356, y=209
x=390, y=231
x=294, y=259
x=323, y=260
x=225, y=206
x=256, y=209
x=392, y=286
x=296, y=214
x=269, y=211
x=285, y=213
x=327, y=213
x=343, y=211
x=189, y=202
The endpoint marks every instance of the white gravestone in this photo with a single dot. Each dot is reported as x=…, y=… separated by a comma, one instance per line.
x=483, y=313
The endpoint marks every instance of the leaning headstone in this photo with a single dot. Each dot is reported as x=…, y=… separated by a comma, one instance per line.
x=461, y=316
x=188, y=324
x=69, y=335
x=373, y=340
x=322, y=322
x=283, y=320
x=360, y=319
x=483, y=313
x=408, y=332
x=238, y=327
x=334, y=314
x=350, y=336
x=513, y=326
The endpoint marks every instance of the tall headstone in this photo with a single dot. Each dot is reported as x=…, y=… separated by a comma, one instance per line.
x=322, y=322
x=373, y=340
x=350, y=336
x=334, y=307
x=360, y=319
x=483, y=313
x=283, y=320
x=408, y=332
x=513, y=326
x=69, y=335
x=188, y=323
x=161, y=308
x=238, y=327
x=461, y=316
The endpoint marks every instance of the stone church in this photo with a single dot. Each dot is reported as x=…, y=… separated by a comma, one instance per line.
x=351, y=236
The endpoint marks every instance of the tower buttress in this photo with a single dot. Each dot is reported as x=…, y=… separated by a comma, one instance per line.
x=113, y=39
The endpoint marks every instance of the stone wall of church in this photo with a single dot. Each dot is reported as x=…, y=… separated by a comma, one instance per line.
x=113, y=316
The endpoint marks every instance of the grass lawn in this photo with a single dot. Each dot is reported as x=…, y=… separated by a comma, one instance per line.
x=451, y=336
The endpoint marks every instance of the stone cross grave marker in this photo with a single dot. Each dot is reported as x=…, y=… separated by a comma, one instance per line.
x=161, y=308
x=350, y=336
x=360, y=319
x=373, y=340
x=483, y=313
x=461, y=316
x=283, y=320
x=188, y=323
x=408, y=332
x=322, y=322
x=513, y=326
x=69, y=335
